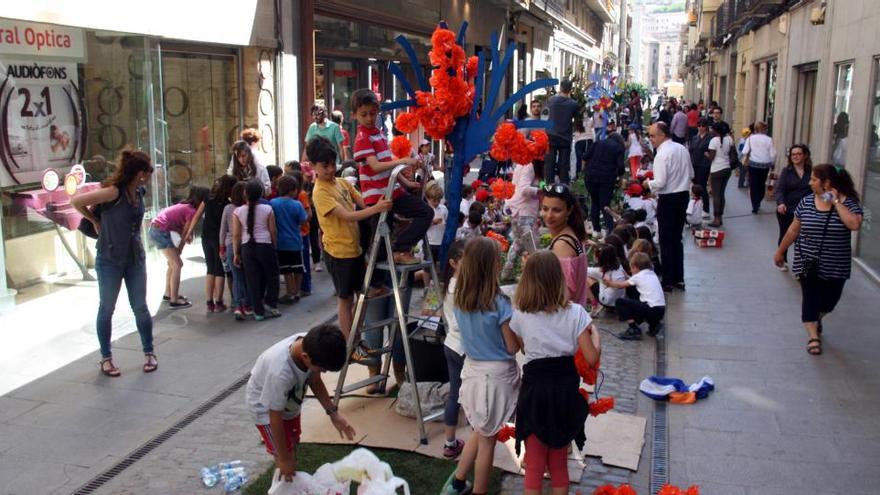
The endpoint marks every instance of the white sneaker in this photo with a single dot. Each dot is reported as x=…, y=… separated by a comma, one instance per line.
x=319, y=267
x=783, y=268
x=706, y=216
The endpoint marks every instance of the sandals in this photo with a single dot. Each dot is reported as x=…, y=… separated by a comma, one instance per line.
x=152, y=363
x=108, y=368
x=814, y=347
x=180, y=297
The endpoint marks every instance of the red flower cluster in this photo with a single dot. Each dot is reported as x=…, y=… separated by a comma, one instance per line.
x=502, y=189
x=601, y=406
x=476, y=184
x=502, y=241
x=510, y=144
x=624, y=489
x=674, y=490
x=587, y=373
x=505, y=433
x=401, y=147
x=453, y=89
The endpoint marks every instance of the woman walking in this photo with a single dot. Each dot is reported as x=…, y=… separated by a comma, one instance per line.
x=760, y=157
x=719, y=170
x=120, y=252
x=793, y=185
x=821, y=232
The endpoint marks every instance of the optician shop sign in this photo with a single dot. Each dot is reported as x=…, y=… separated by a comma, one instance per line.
x=41, y=111
x=41, y=40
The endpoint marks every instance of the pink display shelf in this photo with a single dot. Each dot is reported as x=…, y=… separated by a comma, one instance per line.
x=54, y=205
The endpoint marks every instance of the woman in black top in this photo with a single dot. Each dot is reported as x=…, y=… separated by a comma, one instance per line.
x=120, y=251
x=791, y=187
x=821, y=232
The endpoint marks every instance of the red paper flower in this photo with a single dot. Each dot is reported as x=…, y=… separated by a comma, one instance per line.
x=401, y=147
x=500, y=239
x=605, y=490
x=585, y=371
x=692, y=490
x=477, y=184
x=472, y=66
x=601, y=406
x=506, y=432
x=407, y=122
x=669, y=490
x=625, y=489
x=540, y=143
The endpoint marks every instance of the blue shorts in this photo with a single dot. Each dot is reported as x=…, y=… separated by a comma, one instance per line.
x=161, y=239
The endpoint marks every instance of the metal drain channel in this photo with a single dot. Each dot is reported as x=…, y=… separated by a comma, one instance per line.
x=154, y=443
x=659, y=431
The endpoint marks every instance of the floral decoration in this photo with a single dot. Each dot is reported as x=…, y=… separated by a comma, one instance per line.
x=510, y=144
x=401, y=147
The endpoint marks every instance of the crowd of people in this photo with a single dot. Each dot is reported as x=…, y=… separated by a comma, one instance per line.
x=263, y=223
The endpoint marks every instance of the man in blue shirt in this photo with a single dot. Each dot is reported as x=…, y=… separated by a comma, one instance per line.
x=562, y=113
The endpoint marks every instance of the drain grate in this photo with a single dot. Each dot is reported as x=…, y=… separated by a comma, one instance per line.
x=141, y=452
x=660, y=434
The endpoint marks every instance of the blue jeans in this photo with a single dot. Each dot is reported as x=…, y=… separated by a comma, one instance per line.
x=306, y=284
x=239, y=284
x=110, y=277
x=454, y=363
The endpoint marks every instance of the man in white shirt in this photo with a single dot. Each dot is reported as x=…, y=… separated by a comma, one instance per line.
x=760, y=154
x=673, y=174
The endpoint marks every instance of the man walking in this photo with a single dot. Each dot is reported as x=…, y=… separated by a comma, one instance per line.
x=679, y=126
x=562, y=112
x=672, y=181
x=604, y=162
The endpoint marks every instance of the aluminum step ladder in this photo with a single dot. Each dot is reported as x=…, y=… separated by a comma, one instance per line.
x=397, y=324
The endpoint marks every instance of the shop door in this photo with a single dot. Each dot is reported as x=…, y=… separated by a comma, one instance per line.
x=200, y=97
x=804, y=104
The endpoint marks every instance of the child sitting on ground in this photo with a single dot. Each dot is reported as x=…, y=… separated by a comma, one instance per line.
x=375, y=167
x=490, y=376
x=695, y=207
x=335, y=201
x=290, y=215
x=550, y=330
x=609, y=265
x=277, y=388
x=473, y=224
x=651, y=304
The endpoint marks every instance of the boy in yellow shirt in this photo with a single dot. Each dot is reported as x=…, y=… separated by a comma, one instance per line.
x=335, y=201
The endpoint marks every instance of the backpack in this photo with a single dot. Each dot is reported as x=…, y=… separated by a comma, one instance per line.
x=733, y=155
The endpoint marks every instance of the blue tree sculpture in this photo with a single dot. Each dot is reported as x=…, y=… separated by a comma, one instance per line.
x=472, y=133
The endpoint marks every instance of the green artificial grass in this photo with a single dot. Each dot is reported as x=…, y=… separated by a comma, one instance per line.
x=424, y=474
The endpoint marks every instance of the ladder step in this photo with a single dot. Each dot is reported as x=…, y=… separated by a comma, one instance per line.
x=364, y=383
x=374, y=325
x=383, y=265
x=434, y=415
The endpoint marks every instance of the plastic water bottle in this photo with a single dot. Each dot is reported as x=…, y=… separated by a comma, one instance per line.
x=210, y=476
x=226, y=474
x=228, y=465
x=235, y=483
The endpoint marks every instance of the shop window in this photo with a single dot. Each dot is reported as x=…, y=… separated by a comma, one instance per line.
x=840, y=127
x=869, y=238
x=805, y=103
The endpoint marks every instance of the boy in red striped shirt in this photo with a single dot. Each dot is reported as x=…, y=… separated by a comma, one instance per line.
x=375, y=164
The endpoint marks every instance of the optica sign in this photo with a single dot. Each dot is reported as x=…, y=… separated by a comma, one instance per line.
x=40, y=40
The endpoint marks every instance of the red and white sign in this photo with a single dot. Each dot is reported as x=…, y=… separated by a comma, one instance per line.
x=41, y=40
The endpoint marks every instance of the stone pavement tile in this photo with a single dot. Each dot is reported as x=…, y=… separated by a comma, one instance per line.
x=806, y=446
x=53, y=475
x=11, y=407
x=713, y=443
x=857, y=448
x=717, y=352
x=704, y=416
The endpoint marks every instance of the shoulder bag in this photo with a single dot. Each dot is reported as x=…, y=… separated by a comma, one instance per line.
x=811, y=265
x=733, y=155
x=86, y=226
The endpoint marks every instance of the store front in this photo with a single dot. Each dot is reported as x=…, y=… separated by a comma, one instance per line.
x=74, y=96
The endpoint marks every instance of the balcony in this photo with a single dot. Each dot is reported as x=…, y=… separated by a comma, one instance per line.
x=710, y=5
x=761, y=7
x=603, y=8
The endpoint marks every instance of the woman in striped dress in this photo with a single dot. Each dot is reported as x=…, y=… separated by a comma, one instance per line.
x=822, y=232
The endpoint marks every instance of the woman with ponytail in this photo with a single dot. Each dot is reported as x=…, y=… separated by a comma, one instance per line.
x=120, y=251
x=253, y=242
x=821, y=233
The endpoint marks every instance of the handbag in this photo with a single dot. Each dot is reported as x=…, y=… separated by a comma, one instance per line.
x=86, y=226
x=811, y=265
x=733, y=156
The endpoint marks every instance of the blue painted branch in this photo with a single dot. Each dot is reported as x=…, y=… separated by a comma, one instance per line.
x=498, y=72
x=414, y=62
x=394, y=105
x=533, y=124
x=478, y=84
x=461, y=32
x=395, y=69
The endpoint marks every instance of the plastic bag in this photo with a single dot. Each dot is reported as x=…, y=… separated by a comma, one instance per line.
x=373, y=476
x=305, y=484
x=432, y=396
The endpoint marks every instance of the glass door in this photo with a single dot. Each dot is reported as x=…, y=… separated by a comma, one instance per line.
x=200, y=103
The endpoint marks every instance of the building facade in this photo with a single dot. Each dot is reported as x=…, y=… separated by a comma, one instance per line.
x=811, y=71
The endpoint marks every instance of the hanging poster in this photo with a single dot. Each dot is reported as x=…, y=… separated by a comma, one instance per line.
x=41, y=119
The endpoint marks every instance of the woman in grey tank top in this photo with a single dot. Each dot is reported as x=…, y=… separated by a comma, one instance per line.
x=120, y=249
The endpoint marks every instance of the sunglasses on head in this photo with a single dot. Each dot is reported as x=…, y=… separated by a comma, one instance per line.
x=556, y=189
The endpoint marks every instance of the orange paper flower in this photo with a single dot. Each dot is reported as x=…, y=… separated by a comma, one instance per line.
x=510, y=144
x=692, y=490
x=605, y=490
x=506, y=432
x=502, y=189
x=585, y=371
x=601, y=406
x=407, y=122
x=500, y=239
x=625, y=489
x=669, y=490
x=401, y=147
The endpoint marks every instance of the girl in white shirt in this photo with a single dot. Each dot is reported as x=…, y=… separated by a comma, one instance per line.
x=608, y=264
x=549, y=330
x=719, y=170
x=635, y=151
x=253, y=243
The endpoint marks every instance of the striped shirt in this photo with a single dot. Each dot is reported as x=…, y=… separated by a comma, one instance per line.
x=371, y=142
x=835, y=258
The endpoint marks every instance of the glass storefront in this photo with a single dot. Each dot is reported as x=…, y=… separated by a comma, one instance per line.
x=869, y=237
x=181, y=103
x=840, y=128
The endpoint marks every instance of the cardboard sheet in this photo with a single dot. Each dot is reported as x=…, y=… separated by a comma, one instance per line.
x=616, y=438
